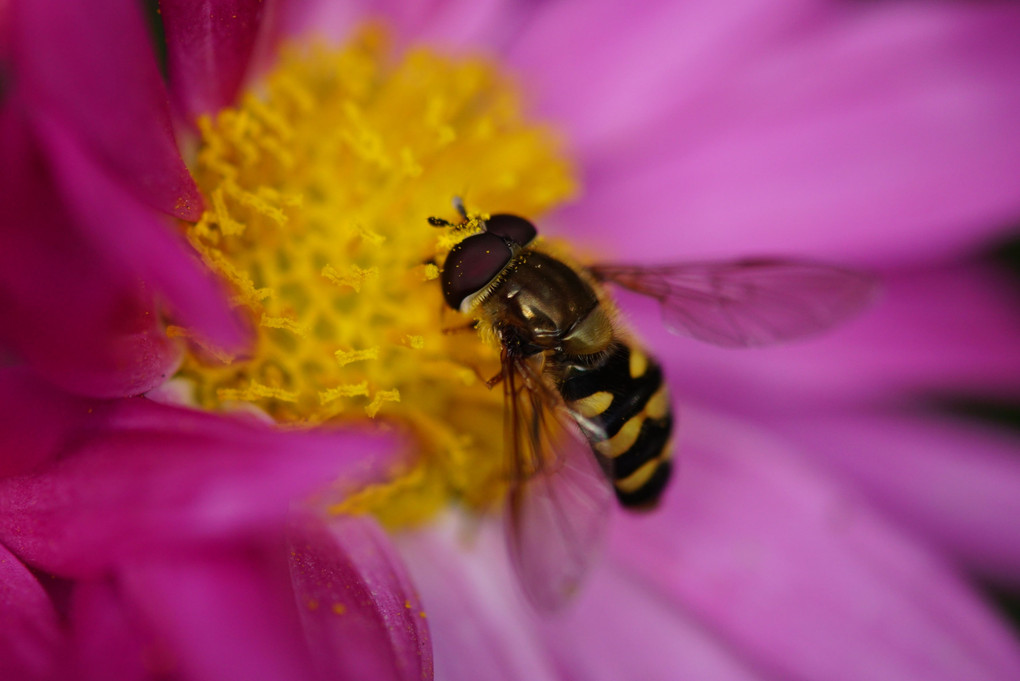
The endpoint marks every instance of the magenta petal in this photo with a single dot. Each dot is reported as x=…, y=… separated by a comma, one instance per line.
x=361, y=616
x=452, y=23
x=137, y=239
x=802, y=575
x=30, y=634
x=649, y=59
x=209, y=48
x=484, y=25
x=332, y=21
x=227, y=613
x=956, y=484
x=142, y=477
x=639, y=636
x=481, y=627
x=109, y=642
x=92, y=66
x=35, y=419
x=885, y=133
x=54, y=286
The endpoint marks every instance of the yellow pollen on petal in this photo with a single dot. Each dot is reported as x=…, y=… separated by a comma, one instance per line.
x=319, y=184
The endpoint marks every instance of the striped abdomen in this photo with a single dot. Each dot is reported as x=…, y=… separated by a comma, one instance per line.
x=625, y=400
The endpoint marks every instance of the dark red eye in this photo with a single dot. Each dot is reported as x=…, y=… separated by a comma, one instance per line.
x=512, y=227
x=472, y=264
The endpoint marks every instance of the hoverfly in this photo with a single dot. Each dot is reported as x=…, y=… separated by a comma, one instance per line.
x=586, y=411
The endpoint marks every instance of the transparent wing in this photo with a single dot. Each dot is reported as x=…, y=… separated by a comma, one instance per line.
x=559, y=501
x=748, y=303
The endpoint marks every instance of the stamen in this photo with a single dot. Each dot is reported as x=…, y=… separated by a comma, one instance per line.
x=327, y=396
x=380, y=397
x=353, y=277
x=345, y=357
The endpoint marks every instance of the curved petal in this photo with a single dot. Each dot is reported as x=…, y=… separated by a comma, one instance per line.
x=30, y=632
x=142, y=478
x=479, y=624
x=954, y=483
x=210, y=45
x=802, y=575
x=108, y=638
x=884, y=133
x=617, y=628
x=649, y=59
x=361, y=616
x=450, y=23
x=482, y=25
x=639, y=636
x=141, y=242
x=224, y=613
x=53, y=288
x=333, y=21
x=35, y=419
x=92, y=66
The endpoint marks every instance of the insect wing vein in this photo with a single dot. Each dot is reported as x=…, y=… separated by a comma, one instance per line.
x=559, y=502
x=747, y=303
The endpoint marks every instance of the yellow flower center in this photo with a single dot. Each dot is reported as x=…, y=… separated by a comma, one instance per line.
x=319, y=185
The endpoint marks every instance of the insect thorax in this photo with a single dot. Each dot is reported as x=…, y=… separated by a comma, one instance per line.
x=543, y=305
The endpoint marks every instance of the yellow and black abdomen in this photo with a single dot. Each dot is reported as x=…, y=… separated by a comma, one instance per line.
x=624, y=404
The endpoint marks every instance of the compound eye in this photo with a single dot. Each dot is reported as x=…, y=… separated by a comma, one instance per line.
x=471, y=265
x=512, y=227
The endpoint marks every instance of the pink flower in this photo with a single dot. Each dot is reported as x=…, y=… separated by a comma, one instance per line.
x=154, y=542
x=823, y=524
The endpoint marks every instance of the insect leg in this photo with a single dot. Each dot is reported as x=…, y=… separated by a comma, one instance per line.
x=458, y=203
x=460, y=328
